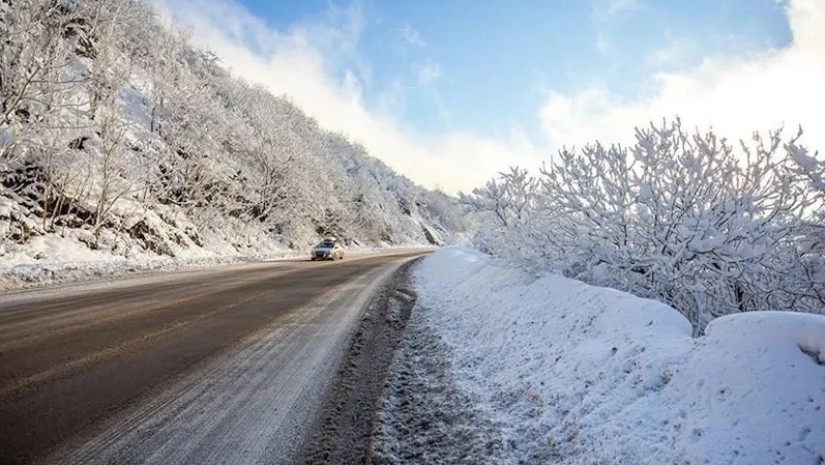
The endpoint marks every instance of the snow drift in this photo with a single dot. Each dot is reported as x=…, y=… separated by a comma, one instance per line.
x=576, y=374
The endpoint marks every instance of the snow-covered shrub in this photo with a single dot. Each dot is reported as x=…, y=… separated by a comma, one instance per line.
x=684, y=218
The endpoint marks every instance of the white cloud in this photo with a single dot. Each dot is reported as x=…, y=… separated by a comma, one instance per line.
x=303, y=63
x=603, y=43
x=605, y=10
x=675, y=52
x=427, y=73
x=735, y=95
x=411, y=36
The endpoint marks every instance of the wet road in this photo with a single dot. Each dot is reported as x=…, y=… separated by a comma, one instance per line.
x=221, y=366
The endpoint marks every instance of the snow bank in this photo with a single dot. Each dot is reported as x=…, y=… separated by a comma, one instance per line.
x=102, y=266
x=576, y=374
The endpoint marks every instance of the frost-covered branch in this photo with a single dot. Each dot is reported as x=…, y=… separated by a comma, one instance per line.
x=679, y=217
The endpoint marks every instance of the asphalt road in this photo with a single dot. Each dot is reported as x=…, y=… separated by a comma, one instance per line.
x=225, y=366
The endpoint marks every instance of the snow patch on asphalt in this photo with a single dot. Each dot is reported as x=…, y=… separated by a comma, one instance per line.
x=574, y=374
x=344, y=431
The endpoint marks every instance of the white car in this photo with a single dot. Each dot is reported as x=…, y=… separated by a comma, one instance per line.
x=328, y=249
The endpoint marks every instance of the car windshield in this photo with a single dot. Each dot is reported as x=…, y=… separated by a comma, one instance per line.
x=326, y=244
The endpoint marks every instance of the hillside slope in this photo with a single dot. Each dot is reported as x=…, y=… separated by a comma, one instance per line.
x=120, y=139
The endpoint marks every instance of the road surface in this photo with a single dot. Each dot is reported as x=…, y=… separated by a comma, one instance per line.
x=223, y=366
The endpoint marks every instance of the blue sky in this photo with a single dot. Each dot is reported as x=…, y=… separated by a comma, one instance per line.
x=495, y=58
x=472, y=87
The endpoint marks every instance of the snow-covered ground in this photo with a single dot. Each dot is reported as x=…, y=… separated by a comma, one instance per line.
x=52, y=259
x=105, y=267
x=578, y=374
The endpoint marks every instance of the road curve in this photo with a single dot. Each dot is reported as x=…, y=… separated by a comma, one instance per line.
x=224, y=366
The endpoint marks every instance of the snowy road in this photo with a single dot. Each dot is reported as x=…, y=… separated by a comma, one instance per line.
x=224, y=366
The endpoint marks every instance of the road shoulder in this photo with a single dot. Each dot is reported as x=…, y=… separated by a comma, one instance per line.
x=395, y=399
x=343, y=431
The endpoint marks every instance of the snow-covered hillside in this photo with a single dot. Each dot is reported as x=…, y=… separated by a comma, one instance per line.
x=119, y=141
x=575, y=374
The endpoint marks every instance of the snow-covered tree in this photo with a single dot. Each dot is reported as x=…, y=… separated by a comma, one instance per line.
x=680, y=217
x=115, y=131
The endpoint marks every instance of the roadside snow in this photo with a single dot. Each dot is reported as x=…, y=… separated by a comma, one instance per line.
x=71, y=261
x=587, y=375
x=424, y=417
x=105, y=267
